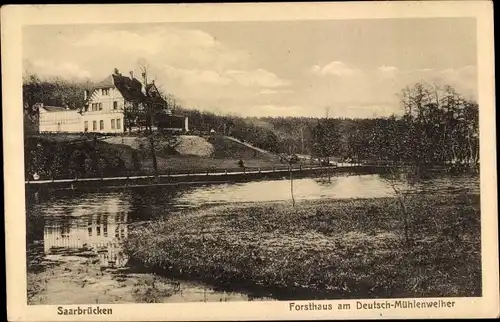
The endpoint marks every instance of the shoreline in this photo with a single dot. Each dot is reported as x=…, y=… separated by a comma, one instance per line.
x=194, y=178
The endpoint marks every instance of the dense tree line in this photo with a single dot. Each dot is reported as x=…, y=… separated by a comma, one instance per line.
x=438, y=126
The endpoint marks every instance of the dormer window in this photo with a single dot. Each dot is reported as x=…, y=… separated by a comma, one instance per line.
x=105, y=91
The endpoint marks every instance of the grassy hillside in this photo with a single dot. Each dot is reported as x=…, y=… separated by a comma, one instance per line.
x=69, y=156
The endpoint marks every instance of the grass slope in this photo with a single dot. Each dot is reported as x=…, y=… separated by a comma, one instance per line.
x=174, y=154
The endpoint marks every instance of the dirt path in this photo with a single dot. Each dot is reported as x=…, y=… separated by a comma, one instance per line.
x=250, y=146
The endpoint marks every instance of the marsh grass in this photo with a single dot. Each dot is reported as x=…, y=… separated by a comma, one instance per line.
x=322, y=249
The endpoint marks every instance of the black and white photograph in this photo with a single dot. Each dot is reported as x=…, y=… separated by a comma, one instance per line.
x=288, y=161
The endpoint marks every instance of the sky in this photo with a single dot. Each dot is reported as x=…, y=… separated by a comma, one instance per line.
x=346, y=68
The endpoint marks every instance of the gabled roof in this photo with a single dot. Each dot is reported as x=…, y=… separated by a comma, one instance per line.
x=130, y=88
x=154, y=94
x=105, y=83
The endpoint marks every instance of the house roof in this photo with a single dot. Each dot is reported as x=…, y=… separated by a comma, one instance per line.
x=55, y=108
x=107, y=82
x=130, y=88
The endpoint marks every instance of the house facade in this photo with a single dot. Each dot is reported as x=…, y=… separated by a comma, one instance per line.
x=104, y=109
x=113, y=106
x=58, y=119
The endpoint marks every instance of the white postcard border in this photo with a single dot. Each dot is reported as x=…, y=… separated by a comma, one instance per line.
x=15, y=17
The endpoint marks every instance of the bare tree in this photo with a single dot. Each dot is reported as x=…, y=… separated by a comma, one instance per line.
x=149, y=115
x=401, y=180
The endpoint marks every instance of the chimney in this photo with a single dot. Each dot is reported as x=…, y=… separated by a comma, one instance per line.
x=153, y=82
x=85, y=94
x=132, y=74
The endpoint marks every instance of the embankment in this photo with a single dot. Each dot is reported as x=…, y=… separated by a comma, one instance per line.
x=322, y=249
x=69, y=156
x=188, y=178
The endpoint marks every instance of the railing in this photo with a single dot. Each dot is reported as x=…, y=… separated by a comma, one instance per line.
x=198, y=174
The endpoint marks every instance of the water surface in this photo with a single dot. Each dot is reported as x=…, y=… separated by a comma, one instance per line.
x=93, y=224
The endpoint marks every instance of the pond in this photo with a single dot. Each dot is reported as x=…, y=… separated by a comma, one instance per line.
x=74, y=237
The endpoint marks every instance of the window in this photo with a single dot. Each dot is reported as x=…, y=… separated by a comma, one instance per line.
x=115, y=105
x=118, y=123
x=105, y=91
x=101, y=125
x=113, y=124
x=94, y=125
x=86, y=126
x=96, y=106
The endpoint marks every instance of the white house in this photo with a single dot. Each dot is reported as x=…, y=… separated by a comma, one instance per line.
x=106, y=106
x=58, y=119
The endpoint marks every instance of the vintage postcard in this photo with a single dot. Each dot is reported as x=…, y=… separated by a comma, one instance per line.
x=291, y=161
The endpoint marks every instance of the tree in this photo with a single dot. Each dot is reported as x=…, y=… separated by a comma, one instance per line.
x=395, y=176
x=149, y=109
x=76, y=163
x=57, y=164
x=441, y=126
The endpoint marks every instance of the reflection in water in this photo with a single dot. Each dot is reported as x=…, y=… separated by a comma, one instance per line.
x=89, y=232
x=342, y=187
x=97, y=226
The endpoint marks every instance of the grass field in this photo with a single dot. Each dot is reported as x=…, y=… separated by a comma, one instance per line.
x=322, y=249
